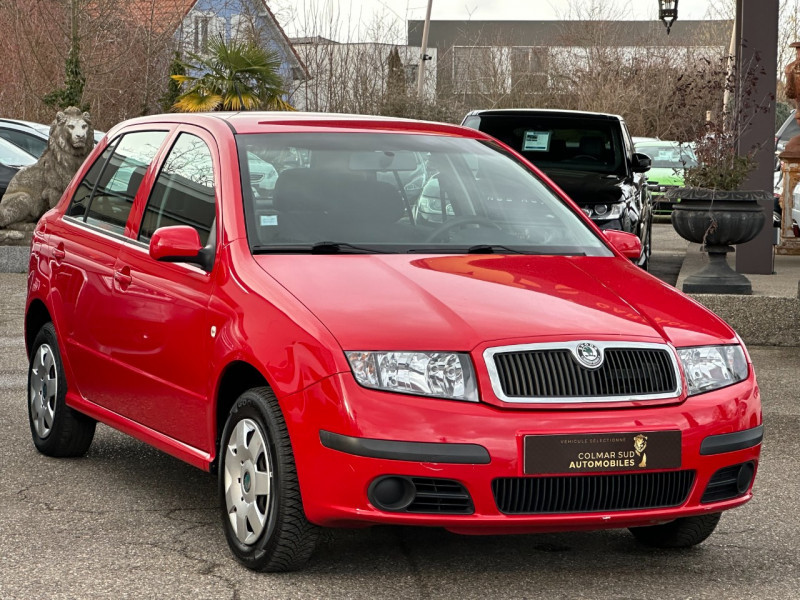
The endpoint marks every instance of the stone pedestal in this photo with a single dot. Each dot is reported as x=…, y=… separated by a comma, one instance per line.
x=15, y=247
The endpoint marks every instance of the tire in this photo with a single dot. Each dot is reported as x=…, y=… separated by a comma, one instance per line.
x=647, y=247
x=680, y=533
x=57, y=430
x=258, y=479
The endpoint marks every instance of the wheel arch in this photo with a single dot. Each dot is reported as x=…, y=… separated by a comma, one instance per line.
x=237, y=377
x=35, y=318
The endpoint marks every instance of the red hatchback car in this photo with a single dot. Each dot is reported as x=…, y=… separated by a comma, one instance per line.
x=411, y=326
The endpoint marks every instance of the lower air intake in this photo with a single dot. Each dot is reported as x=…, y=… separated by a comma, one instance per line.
x=592, y=493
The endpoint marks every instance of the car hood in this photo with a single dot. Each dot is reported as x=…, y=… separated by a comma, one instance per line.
x=586, y=187
x=664, y=176
x=407, y=302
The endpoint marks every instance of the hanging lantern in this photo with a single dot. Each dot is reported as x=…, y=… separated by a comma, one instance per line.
x=668, y=12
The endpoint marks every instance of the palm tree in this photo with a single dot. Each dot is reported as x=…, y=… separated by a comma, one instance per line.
x=232, y=76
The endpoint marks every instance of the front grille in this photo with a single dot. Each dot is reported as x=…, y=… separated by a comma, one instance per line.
x=592, y=493
x=554, y=373
x=443, y=496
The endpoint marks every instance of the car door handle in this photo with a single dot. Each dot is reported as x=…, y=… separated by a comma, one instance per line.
x=59, y=253
x=123, y=277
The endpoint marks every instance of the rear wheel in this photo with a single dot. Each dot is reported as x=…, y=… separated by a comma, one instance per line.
x=262, y=511
x=680, y=533
x=57, y=430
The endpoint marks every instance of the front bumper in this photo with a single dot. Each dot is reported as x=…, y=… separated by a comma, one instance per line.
x=369, y=428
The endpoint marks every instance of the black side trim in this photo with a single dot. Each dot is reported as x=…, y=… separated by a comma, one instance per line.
x=729, y=442
x=463, y=454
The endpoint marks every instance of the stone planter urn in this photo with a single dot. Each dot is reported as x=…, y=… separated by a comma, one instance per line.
x=717, y=220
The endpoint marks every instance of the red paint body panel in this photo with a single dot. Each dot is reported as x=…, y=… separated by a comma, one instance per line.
x=335, y=484
x=146, y=344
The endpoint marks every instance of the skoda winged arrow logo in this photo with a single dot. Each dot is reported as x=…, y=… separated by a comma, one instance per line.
x=589, y=355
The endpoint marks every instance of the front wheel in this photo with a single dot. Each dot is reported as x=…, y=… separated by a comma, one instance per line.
x=680, y=533
x=647, y=247
x=57, y=430
x=262, y=511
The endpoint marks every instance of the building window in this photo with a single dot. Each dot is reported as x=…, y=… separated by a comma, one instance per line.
x=201, y=28
x=412, y=76
x=474, y=69
x=529, y=68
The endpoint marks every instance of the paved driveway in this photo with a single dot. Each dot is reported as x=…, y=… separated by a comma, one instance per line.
x=127, y=521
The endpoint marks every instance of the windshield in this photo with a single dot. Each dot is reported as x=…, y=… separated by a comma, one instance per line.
x=574, y=143
x=669, y=156
x=379, y=192
x=14, y=156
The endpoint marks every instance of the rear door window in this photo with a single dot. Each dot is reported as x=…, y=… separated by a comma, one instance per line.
x=105, y=195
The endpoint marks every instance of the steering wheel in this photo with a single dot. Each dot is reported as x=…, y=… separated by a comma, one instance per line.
x=460, y=222
x=589, y=156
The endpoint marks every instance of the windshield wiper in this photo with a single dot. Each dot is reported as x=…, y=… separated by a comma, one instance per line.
x=316, y=248
x=494, y=249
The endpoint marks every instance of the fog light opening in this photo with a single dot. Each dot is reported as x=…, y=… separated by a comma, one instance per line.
x=745, y=477
x=392, y=493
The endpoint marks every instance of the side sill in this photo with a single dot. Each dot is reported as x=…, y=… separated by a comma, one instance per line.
x=194, y=456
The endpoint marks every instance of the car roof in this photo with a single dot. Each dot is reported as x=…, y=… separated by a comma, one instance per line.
x=38, y=129
x=660, y=143
x=555, y=112
x=263, y=121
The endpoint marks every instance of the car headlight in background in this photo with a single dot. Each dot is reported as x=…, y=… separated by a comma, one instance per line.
x=712, y=367
x=606, y=211
x=440, y=374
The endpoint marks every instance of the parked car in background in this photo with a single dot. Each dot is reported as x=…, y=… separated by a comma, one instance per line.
x=589, y=155
x=338, y=362
x=12, y=159
x=30, y=136
x=668, y=162
x=640, y=139
x=786, y=131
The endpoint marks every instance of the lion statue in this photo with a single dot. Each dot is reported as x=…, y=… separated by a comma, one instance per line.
x=37, y=188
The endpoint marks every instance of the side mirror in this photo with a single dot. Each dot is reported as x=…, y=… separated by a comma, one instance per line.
x=627, y=243
x=179, y=243
x=641, y=162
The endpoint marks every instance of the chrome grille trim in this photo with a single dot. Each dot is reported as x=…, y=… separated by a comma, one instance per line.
x=571, y=347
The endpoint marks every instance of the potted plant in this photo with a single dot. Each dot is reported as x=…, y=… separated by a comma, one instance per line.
x=712, y=210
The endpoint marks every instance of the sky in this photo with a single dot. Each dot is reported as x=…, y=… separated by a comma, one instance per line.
x=299, y=17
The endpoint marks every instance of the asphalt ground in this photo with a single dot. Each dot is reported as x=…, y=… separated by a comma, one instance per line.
x=127, y=521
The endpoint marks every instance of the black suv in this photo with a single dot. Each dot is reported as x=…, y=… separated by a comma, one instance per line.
x=589, y=155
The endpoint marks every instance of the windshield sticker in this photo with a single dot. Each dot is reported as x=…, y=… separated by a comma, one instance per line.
x=269, y=220
x=536, y=141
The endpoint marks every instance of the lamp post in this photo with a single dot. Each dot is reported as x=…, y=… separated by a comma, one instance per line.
x=668, y=12
x=423, y=56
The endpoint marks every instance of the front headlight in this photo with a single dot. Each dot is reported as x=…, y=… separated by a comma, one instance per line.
x=607, y=211
x=712, y=367
x=440, y=374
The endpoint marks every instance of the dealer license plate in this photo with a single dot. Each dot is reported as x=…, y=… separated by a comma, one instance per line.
x=632, y=451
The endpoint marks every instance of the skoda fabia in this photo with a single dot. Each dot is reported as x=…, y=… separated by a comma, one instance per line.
x=411, y=326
